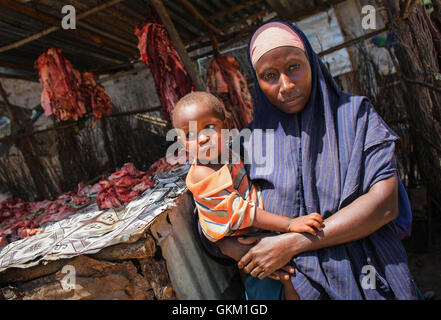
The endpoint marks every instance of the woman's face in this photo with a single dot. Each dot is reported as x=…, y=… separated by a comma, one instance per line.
x=284, y=75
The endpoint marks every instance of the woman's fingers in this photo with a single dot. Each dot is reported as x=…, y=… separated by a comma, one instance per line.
x=289, y=269
x=244, y=260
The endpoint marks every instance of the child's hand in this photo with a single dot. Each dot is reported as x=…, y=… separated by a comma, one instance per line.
x=306, y=224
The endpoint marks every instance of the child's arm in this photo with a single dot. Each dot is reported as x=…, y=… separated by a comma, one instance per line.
x=273, y=222
x=262, y=219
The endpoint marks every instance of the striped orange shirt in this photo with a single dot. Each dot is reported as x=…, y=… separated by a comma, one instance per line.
x=226, y=201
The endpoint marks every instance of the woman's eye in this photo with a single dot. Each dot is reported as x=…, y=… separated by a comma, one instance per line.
x=293, y=67
x=268, y=76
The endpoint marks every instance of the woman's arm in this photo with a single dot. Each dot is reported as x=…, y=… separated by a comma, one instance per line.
x=361, y=218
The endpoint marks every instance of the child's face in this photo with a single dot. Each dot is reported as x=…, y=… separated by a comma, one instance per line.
x=200, y=131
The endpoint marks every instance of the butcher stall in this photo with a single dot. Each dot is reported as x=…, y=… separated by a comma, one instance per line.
x=142, y=250
x=90, y=208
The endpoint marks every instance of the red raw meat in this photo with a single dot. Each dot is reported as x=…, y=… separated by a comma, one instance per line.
x=158, y=52
x=79, y=200
x=27, y=228
x=123, y=186
x=56, y=214
x=66, y=92
x=226, y=82
x=126, y=181
x=95, y=188
x=61, y=86
x=96, y=97
x=20, y=219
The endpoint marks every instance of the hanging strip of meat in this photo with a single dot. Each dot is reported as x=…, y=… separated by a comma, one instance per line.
x=66, y=92
x=158, y=52
x=225, y=81
x=61, y=86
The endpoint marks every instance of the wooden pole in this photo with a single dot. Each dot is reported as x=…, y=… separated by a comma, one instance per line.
x=353, y=41
x=215, y=45
x=196, y=13
x=20, y=8
x=8, y=105
x=188, y=63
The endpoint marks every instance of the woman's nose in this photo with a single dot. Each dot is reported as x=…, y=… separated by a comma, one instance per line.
x=286, y=85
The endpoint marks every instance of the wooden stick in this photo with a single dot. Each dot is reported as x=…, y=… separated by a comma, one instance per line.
x=197, y=44
x=13, y=65
x=353, y=41
x=72, y=124
x=43, y=33
x=188, y=63
x=8, y=105
x=195, y=12
x=407, y=8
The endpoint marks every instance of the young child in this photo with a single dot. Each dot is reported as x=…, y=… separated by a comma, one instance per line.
x=228, y=204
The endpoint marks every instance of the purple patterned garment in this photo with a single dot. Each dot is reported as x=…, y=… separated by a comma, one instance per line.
x=325, y=157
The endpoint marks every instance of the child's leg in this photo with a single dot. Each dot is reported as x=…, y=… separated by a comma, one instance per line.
x=290, y=292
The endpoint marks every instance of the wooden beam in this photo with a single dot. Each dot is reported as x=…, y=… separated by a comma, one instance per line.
x=35, y=14
x=59, y=40
x=232, y=39
x=352, y=42
x=105, y=23
x=176, y=17
x=201, y=18
x=188, y=63
x=19, y=77
x=16, y=66
x=233, y=9
x=197, y=43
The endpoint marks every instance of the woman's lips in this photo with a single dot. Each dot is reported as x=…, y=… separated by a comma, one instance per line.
x=290, y=100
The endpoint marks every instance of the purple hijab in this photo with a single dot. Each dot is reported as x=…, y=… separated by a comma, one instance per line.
x=325, y=157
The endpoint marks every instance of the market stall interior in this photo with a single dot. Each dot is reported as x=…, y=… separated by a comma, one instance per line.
x=87, y=88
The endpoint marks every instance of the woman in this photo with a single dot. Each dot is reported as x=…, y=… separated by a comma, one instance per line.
x=333, y=155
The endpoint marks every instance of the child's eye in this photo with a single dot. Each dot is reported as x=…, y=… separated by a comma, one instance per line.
x=190, y=135
x=210, y=126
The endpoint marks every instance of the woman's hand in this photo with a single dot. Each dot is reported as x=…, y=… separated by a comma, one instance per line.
x=270, y=254
x=362, y=217
x=237, y=248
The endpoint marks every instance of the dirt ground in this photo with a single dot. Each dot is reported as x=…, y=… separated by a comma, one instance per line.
x=425, y=260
